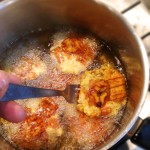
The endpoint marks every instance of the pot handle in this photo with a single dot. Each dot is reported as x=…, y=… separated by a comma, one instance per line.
x=140, y=132
x=142, y=135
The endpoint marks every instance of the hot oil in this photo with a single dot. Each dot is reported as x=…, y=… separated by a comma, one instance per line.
x=79, y=130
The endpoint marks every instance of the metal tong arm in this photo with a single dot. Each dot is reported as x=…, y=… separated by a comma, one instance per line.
x=15, y=92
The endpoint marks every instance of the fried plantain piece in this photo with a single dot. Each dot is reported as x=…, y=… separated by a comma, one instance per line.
x=73, y=54
x=41, y=128
x=102, y=92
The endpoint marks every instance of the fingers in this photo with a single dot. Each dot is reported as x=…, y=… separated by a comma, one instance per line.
x=14, y=79
x=10, y=111
x=5, y=79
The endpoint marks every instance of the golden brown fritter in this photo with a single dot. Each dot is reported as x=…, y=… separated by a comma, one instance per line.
x=27, y=66
x=74, y=54
x=102, y=92
x=40, y=130
x=28, y=69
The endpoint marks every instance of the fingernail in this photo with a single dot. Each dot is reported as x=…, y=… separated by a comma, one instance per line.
x=3, y=84
x=20, y=113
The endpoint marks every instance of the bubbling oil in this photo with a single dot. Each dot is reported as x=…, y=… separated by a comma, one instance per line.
x=33, y=51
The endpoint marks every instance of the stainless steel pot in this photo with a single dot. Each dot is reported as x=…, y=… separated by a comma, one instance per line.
x=18, y=17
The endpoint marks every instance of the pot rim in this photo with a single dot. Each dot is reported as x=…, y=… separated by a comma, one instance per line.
x=6, y=3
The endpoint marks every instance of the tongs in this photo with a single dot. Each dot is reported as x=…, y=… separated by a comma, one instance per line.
x=18, y=92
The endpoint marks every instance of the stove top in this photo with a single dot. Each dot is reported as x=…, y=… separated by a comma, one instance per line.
x=137, y=13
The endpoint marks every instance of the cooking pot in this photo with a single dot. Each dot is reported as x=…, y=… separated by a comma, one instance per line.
x=19, y=17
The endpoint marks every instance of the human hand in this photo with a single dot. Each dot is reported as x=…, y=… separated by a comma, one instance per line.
x=10, y=111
